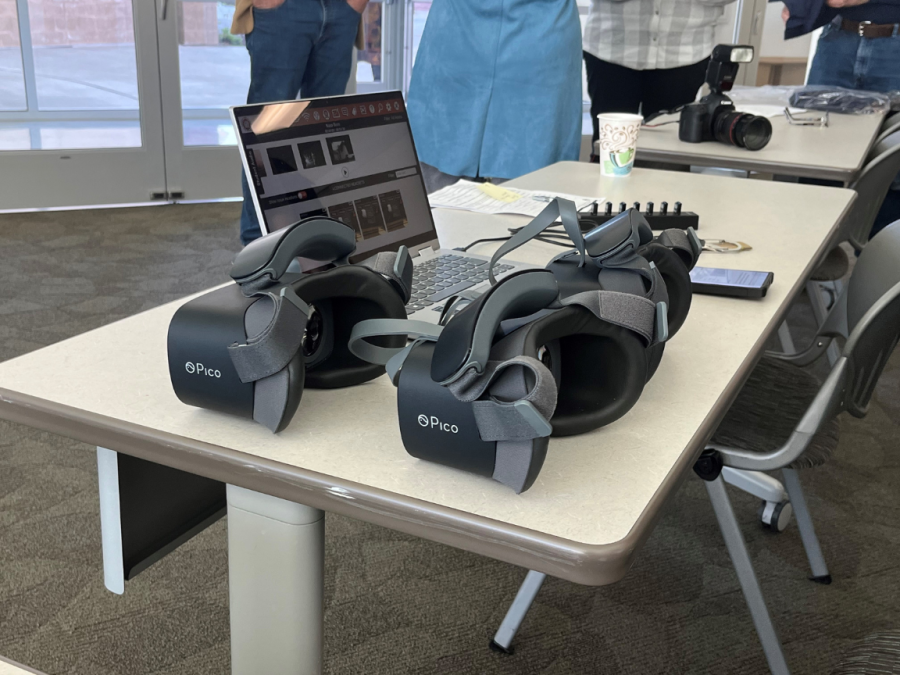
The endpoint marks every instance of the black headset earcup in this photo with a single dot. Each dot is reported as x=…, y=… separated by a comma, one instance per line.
x=654, y=358
x=518, y=295
x=601, y=369
x=678, y=282
x=353, y=293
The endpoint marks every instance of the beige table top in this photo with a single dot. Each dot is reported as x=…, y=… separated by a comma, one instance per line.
x=598, y=495
x=12, y=668
x=836, y=152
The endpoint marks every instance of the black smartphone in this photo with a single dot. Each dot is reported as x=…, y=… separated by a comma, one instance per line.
x=733, y=283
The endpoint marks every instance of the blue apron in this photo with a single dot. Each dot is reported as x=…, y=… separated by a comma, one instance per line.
x=496, y=87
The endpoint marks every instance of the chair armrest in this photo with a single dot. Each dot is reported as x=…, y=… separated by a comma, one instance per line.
x=828, y=403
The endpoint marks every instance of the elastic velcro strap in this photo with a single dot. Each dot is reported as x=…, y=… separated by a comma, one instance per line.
x=361, y=348
x=682, y=240
x=270, y=351
x=499, y=420
x=395, y=266
x=564, y=209
x=622, y=309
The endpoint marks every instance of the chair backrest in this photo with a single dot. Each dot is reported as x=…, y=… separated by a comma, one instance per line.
x=888, y=128
x=891, y=119
x=871, y=187
x=871, y=303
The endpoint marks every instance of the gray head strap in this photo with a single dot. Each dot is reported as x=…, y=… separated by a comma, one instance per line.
x=682, y=240
x=508, y=414
x=392, y=265
x=564, y=210
x=270, y=351
x=623, y=309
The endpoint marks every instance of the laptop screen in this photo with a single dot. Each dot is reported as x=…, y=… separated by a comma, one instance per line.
x=351, y=158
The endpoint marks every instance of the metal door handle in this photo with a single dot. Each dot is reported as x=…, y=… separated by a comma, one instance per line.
x=163, y=8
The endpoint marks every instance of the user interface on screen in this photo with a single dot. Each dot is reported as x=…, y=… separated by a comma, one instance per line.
x=351, y=158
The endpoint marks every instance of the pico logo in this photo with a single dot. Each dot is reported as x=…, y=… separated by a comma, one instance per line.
x=433, y=422
x=200, y=369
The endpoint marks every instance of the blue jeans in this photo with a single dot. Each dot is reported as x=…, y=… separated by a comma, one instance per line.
x=302, y=47
x=844, y=59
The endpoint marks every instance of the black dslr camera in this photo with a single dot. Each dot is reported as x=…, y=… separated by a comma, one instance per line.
x=713, y=117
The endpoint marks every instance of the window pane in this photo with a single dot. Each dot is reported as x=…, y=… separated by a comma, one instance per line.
x=12, y=83
x=420, y=16
x=215, y=70
x=84, y=56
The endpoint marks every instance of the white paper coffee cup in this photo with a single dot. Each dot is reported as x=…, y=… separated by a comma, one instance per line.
x=618, y=142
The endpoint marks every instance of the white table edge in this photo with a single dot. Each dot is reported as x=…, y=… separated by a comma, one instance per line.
x=587, y=564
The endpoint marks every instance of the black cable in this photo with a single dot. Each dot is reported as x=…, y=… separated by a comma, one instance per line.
x=480, y=241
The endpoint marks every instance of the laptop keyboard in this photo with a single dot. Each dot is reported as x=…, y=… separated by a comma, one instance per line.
x=441, y=277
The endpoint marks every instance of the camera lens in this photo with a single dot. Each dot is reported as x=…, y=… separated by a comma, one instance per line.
x=742, y=130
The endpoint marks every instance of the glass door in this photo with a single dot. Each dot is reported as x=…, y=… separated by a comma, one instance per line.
x=126, y=101
x=205, y=69
x=80, y=120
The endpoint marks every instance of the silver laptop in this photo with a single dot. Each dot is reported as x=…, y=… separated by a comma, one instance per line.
x=352, y=158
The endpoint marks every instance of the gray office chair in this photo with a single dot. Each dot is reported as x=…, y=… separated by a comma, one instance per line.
x=822, y=288
x=872, y=185
x=761, y=431
x=877, y=654
x=891, y=124
x=783, y=419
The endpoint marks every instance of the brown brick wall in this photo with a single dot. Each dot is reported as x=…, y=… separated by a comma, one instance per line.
x=88, y=22
x=197, y=24
x=80, y=22
x=9, y=26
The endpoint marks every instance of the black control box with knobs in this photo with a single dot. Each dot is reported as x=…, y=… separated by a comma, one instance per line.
x=662, y=218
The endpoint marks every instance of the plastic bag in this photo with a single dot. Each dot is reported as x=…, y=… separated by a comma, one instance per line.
x=766, y=95
x=840, y=100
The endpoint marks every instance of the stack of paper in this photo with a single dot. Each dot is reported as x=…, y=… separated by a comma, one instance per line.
x=494, y=199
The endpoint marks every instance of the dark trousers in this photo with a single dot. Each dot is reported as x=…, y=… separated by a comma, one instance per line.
x=615, y=88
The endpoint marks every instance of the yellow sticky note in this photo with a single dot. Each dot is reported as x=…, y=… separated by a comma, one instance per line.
x=498, y=192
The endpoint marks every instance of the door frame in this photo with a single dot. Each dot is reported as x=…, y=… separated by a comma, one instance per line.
x=87, y=177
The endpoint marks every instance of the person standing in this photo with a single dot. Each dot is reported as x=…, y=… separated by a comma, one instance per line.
x=297, y=48
x=496, y=88
x=859, y=49
x=644, y=56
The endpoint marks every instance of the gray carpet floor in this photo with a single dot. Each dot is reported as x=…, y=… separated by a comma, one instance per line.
x=396, y=604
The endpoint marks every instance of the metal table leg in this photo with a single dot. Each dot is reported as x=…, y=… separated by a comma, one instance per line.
x=737, y=549
x=275, y=584
x=515, y=615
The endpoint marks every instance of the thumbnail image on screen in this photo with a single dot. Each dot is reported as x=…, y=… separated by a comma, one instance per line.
x=340, y=149
x=311, y=154
x=347, y=215
x=371, y=222
x=282, y=159
x=393, y=210
x=260, y=164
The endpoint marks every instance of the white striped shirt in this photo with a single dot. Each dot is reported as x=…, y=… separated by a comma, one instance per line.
x=650, y=34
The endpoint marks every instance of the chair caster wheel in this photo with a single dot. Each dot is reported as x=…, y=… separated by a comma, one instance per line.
x=775, y=516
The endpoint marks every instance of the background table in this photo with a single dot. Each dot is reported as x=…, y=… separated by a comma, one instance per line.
x=836, y=152
x=598, y=495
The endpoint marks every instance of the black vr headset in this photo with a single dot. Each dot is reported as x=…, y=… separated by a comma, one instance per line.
x=534, y=356
x=251, y=347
